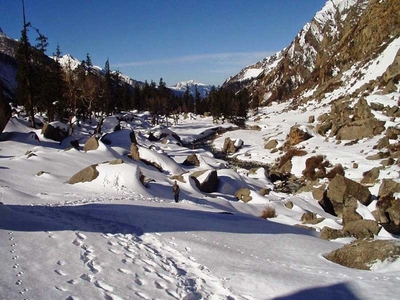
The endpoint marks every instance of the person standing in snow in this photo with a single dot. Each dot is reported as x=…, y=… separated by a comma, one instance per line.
x=175, y=191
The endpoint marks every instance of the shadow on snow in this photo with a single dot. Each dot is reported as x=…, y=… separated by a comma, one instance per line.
x=332, y=292
x=135, y=219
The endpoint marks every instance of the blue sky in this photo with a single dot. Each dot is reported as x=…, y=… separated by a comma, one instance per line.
x=207, y=40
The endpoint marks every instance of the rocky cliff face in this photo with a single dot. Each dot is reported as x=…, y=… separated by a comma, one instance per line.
x=344, y=36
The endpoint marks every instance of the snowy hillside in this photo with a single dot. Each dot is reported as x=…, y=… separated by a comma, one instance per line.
x=115, y=238
x=67, y=61
x=180, y=88
x=94, y=216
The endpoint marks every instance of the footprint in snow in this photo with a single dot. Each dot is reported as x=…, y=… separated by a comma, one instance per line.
x=81, y=236
x=77, y=242
x=148, y=269
x=94, y=267
x=87, y=277
x=114, y=251
x=150, y=263
x=110, y=296
x=60, y=288
x=61, y=263
x=160, y=285
x=165, y=277
x=131, y=250
x=138, y=281
x=59, y=272
x=124, y=271
x=142, y=295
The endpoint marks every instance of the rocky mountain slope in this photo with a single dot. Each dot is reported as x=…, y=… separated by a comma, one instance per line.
x=8, y=65
x=337, y=81
x=345, y=36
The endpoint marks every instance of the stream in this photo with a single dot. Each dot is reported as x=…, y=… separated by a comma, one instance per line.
x=206, y=143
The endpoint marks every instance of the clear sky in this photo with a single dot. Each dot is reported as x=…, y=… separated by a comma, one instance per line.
x=177, y=40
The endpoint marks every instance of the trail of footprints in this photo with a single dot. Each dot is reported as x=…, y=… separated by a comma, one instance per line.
x=151, y=265
x=155, y=269
x=16, y=266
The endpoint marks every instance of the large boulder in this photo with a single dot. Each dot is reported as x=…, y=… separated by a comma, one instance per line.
x=362, y=254
x=243, y=194
x=383, y=204
x=351, y=123
x=328, y=233
x=191, y=160
x=371, y=176
x=271, y=144
x=360, y=129
x=349, y=213
x=315, y=167
x=392, y=133
x=340, y=188
x=206, y=181
x=388, y=186
x=296, y=136
x=54, y=133
x=85, y=175
x=361, y=229
x=394, y=212
x=231, y=146
x=388, y=210
x=281, y=170
x=91, y=144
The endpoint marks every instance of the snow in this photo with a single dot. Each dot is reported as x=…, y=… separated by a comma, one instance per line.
x=117, y=238
x=114, y=238
x=68, y=61
x=180, y=88
x=251, y=73
x=327, y=13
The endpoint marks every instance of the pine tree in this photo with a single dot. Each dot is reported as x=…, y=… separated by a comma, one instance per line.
x=59, y=88
x=88, y=61
x=197, y=101
x=24, y=76
x=137, y=97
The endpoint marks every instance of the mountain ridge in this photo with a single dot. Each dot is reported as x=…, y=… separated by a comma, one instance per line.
x=180, y=88
x=342, y=34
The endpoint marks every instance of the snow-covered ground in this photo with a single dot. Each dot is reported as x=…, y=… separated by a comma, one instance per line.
x=113, y=238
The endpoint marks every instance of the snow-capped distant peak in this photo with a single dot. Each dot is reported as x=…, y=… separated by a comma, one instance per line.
x=188, y=83
x=68, y=61
x=180, y=88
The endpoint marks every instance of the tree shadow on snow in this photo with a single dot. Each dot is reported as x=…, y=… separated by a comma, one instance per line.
x=135, y=219
x=332, y=292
